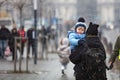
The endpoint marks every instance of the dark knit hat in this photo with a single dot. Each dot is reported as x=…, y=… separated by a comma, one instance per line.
x=92, y=29
x=78, y=24
x=81, y=19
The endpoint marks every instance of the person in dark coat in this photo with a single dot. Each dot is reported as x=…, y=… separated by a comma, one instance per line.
x=97, y=53
x=89, y=57
x=5, y=35
x=43, y=39
x=31, y=41
x=12, y=43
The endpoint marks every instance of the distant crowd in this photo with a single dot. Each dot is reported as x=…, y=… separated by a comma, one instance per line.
x=16, y=39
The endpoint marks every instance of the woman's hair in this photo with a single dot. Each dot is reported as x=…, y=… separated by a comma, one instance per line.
x=64, y=41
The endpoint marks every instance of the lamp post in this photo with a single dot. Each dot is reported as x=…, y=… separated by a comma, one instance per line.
x=35, y=25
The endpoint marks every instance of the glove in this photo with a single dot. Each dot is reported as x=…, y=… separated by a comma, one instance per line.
x=81, y=41
x=111, y=66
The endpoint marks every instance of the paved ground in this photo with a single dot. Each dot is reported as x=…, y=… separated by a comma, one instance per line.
x=44, y=70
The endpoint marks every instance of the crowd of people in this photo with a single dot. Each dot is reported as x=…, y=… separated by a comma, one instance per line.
x=15, y=40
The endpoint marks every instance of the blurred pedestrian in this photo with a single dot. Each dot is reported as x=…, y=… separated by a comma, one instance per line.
x=31, y=41
x=43, y=38
x=116, y=53
x=51, y=38
x=4, y=38
x=22, y=34
x=63, y=53
x=15, y=37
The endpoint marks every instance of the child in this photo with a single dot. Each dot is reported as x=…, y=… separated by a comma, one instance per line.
x=78, y=49
x=64, y=52
x=77, y=36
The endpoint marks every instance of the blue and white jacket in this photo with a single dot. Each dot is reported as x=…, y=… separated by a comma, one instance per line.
x=74, y=38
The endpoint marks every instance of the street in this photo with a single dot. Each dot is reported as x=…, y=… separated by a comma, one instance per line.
x=44, y=70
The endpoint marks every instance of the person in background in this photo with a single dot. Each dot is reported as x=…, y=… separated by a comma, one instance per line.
x=63, y=53
x=115, y=54
x=31, y=41
x=43, y=38
x=22, y=35
x=5, y=35
x=12, y=43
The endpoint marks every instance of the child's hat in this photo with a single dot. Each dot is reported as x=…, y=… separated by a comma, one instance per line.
x=81, y=19
x=80, y=24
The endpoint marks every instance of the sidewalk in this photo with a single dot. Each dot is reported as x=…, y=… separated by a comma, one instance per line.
x=44, y=70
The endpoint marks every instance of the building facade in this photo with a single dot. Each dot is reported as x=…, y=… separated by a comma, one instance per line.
x=87, y=9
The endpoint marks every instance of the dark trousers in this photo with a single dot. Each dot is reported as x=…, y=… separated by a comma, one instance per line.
x=31, y=44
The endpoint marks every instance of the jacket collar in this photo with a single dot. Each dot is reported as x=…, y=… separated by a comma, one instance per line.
x=92, y=36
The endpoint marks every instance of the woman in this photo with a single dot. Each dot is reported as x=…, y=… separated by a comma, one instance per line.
x=89, y=57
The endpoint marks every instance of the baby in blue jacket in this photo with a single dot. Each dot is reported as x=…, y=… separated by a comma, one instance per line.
x=77, y=37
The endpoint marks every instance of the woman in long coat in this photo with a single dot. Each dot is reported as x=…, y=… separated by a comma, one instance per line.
x=89, y=57
x=97, y=54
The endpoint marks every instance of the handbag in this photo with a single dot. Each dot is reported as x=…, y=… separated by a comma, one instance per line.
x=7, y=51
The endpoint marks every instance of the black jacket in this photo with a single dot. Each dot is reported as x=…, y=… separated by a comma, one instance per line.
x=4, y=34
x=95, y=44
x=79, y=53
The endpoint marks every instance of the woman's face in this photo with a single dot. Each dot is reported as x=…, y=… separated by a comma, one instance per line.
x=80, y=30
x=14, y=31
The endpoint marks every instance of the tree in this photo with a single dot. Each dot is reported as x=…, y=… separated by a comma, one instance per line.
x=20, y=5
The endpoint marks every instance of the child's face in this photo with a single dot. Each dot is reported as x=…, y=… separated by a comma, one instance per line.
x=80, y=30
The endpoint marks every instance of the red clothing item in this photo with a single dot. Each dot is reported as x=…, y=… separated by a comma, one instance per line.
x=22, y=34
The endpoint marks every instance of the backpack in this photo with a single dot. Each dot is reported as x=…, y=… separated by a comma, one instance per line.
x=96, y=54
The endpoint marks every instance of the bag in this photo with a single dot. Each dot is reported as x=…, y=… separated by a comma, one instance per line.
x=7, y=51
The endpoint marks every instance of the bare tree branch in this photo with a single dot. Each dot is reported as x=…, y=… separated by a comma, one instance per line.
x=2, y=2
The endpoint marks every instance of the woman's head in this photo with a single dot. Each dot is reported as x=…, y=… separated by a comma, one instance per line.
x=14, y=30
x=92, y=29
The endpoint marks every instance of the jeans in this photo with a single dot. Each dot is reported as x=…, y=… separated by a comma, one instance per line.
x=3, y=45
